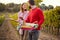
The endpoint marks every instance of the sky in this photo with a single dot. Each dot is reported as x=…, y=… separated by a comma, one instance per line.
x=13, y=1
x=51, y=2
x=47, y=2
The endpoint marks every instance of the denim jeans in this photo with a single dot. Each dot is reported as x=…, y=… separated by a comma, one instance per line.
x=33, y=35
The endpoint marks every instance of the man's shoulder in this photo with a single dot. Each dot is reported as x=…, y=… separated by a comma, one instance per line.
x=38, y=9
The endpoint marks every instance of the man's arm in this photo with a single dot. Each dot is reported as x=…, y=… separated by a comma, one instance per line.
x=41, y=17
x=27, y=20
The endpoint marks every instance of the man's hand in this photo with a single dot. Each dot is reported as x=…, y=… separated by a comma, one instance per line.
x=36, y=22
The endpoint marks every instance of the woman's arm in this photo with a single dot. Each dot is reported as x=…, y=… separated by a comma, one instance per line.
x=13, y=19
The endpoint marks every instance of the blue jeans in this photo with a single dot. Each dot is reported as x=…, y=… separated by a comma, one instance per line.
x=33, y=35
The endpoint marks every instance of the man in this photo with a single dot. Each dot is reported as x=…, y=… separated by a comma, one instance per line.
x=35, y=16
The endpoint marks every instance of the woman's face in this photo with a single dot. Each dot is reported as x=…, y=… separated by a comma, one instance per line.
x=24, y=6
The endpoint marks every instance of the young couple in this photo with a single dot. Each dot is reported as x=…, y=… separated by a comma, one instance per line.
x=35, y=15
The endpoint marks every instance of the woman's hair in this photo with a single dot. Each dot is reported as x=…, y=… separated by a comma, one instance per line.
x=21, y=8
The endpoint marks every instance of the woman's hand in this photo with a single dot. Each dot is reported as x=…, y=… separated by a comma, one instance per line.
x=13, y=19
x=21, y=18
x=10, y=19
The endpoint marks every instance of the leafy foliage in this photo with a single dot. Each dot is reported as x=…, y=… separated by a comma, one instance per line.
x=52, y=17
x=15, y=17
x=11, y=7
x=1, y=19
x=2, y=7
x=37, y=2
x=44, y=7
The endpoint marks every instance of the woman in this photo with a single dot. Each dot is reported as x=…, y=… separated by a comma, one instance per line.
x=22, y=15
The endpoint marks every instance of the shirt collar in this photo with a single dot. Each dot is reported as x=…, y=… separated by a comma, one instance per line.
x=33, y=7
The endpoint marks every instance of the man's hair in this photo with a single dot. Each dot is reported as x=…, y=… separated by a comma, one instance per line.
x=31, y=2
